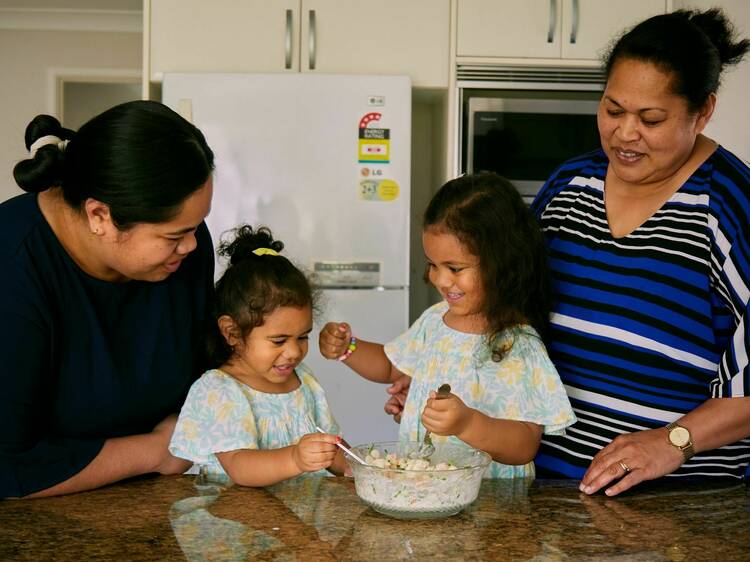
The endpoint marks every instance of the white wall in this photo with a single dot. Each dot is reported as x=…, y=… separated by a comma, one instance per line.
x=84, y=100
x=730, y=125
x=29, y=59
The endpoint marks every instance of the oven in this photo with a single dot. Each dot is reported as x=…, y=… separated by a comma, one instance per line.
x=524, y=122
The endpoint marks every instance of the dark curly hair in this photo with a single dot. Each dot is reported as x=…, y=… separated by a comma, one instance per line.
x=693, y=46
x=487, y=214
x=253, y=286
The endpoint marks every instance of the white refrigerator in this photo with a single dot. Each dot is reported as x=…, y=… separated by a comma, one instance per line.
x=324, y=161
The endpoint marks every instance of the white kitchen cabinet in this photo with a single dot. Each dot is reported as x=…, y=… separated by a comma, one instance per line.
x=385, y=37
x=326, y=36
x=549, y=29
x=222, y=36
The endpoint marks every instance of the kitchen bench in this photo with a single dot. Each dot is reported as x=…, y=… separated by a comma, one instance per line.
x=174, y=518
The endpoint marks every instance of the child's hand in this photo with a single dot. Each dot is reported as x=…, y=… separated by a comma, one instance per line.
x=399, y=391
x=315, y=451
x=446, y=416
x=334, y=339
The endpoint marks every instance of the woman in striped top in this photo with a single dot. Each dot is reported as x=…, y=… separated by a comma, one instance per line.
x=650, y=257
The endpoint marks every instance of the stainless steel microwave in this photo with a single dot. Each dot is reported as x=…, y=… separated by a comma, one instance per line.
x=524, y=131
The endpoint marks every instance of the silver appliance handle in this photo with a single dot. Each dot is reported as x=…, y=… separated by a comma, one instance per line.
x=552, y=21
x=574, y=26
x=311, y=40
x=469, y=136
x=288, y=41
x=379, y=288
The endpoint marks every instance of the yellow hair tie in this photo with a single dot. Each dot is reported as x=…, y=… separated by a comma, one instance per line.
x=265, y=252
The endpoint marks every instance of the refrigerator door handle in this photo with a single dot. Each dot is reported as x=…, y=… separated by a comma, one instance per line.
x=311, y=39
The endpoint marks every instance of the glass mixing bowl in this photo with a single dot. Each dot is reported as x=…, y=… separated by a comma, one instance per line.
x=419, y=494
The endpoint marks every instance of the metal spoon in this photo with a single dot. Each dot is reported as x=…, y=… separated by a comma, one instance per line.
x=427, y=448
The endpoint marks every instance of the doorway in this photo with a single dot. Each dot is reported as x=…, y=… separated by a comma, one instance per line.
x=79, y=96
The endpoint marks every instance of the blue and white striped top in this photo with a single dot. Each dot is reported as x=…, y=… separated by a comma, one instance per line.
x=648, y=326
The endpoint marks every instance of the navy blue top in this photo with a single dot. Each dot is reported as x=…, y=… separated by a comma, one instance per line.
x=83, y=360
x=648, y=326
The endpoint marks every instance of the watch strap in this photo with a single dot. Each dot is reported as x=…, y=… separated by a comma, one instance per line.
x=688, y=451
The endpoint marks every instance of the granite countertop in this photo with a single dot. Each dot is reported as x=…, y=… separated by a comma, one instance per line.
x=172, y=518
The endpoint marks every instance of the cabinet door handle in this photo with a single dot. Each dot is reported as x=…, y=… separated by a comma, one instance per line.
x=288, y=41
x=574, y=26
x=552, y=21
x=311, y=40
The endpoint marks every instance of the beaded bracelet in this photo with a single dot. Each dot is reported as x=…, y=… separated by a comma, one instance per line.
x=350, y=349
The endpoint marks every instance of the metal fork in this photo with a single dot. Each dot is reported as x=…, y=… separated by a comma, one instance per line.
x=427, y=448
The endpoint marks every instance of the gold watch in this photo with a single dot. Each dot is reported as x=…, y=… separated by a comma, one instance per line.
x=680, y=437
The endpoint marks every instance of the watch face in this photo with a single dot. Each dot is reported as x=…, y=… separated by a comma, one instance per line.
x=679, y=436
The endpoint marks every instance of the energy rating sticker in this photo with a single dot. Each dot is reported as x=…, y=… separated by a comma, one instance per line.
x=378, y=190
x=374, y=143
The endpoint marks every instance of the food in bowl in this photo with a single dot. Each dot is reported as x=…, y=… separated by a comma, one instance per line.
x=391, y=460
x=397, y=484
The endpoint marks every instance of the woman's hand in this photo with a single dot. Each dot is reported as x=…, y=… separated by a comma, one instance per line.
x=446, y=416
x=399, y=391
x=315, y=451
x=167, y=463
x=631, y=458
x=333, y=340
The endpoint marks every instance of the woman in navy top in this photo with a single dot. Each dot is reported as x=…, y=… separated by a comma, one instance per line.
x=107, y=268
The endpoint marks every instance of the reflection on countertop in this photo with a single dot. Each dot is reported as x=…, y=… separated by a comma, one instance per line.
x=175, y=518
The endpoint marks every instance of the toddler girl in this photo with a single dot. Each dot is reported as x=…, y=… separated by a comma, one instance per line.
x=486, y=256
x=254, y=417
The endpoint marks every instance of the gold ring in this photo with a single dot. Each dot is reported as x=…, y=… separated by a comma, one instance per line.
x=623, y=466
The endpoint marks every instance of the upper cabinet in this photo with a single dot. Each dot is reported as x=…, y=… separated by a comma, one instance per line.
x=326, y=36
x=221, y=36
x=549, y=29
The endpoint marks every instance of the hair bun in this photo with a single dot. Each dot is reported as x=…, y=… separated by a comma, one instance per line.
x=245, y=241
x=720, y=31
x=44, y=168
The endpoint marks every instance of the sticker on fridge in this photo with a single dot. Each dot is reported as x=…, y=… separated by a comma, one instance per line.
x=374, y=146
x=378, y=190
